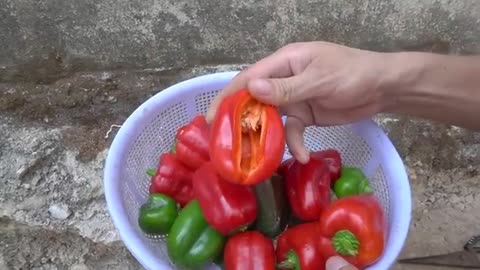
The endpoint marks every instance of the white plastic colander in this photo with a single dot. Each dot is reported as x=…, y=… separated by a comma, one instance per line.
x=150, y=131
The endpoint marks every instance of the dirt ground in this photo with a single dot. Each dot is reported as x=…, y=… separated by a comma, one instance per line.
x=52, y=209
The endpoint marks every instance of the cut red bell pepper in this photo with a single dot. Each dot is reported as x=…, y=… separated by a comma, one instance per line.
x=247, y=139
x=192, y=143
x=172, y=178
x=298, y=248
x=308, y=188
x=357, y=227
x=249, y=250
x=334, y=162
x=227, y=207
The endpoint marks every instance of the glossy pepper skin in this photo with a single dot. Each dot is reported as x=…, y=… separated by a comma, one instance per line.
x=173, y=179
x=332, y=158
x=247, y=139
x=273, y=207
x=192, y=242
x=298, y=248
x=227, y=207
x=352, y=182
x=308, y=188
x=157, y=214
x=357, y=228
x=249, y=250
x=192, y=141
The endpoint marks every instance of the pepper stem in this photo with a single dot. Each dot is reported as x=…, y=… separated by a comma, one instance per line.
x=291, y=262
x=364, y=187
x=239, y=229
x=151, y=172
x=346, y=243
x=173, y=149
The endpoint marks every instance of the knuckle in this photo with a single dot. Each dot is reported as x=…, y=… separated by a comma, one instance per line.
x=284, y=92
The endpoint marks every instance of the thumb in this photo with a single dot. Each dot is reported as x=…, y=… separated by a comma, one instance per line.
x=279, y=91
x=338, y=263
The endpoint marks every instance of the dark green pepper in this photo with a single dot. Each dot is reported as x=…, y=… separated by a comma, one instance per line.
x=157, y=214
x=220, y=262
x=352, y=182
x=192, y=242
x=273, y=208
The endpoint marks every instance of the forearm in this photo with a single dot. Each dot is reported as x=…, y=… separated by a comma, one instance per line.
x=438, y=87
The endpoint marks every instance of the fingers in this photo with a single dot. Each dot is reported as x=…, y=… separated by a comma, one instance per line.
x=280, y=91
x=274, y=65
x=294, y=128
x=338, y=263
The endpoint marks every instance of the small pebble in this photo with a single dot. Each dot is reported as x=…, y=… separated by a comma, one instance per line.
x=59, y=211
x=21, y=171
x=35, y=179
x=106, y=76
x=79, y=266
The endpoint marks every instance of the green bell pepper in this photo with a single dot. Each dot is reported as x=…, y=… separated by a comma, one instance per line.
x=352, y=181
x=192, y=242
x=273, y=210
x=157, y=214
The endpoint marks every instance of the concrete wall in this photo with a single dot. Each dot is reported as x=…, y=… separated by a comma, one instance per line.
x=45, y=40
x=70, y=69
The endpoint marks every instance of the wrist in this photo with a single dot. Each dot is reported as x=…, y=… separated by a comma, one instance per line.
x=437, y=87
x=403, y=79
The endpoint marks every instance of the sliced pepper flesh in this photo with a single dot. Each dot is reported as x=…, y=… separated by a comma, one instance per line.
x=252, y=139
x=247, y=139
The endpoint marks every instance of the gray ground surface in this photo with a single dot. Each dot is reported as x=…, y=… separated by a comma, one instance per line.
x=70, y=69
x=53, y=209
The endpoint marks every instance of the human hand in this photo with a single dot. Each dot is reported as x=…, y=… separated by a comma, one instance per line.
x=338, y=263
x=313, y=83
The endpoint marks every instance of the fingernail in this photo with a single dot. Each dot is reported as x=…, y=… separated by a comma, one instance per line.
x=337, y=263
x=260, y=87
x=303, y=155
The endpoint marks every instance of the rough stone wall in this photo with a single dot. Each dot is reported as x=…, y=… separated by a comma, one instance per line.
x=70, y=69
x=45, y=40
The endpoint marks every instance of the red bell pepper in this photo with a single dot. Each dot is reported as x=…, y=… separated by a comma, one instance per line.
x=249, y=250
x=357, y=227
x=334, y=162
x=247, y=139
x=331, y=156
x=227, y=207
x=172, y=178
x=308, y=188
x=298, y=248
x=192, y=143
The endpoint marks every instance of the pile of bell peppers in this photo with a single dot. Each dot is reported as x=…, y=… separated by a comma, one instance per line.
x=221, y=193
